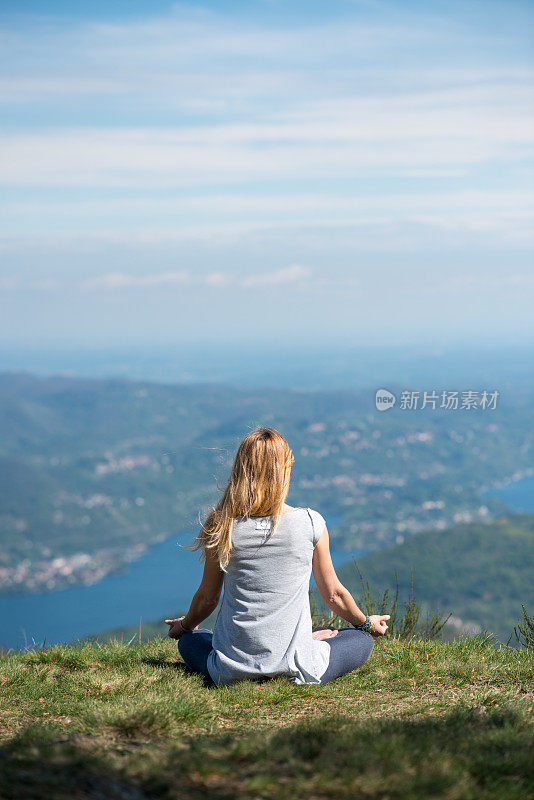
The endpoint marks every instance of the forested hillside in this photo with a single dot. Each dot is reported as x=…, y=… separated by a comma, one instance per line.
x=481, y=573
x=92, y=471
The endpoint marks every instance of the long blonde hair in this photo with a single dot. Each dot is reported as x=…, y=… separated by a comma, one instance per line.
x=258, y=486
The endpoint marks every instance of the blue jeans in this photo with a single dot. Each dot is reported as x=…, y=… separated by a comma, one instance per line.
x=195, y=647
x=349, y=650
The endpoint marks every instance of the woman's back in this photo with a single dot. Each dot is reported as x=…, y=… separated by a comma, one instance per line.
x=264, y=625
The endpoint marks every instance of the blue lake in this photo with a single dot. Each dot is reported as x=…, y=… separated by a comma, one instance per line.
x=518, y=495
x=159, y=584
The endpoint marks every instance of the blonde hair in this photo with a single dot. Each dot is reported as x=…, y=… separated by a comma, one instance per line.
x=258, y=486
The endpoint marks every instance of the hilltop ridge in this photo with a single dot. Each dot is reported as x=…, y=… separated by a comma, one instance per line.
x=420, y=719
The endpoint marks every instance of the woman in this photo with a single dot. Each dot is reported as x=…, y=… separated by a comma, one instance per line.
x=263, y=551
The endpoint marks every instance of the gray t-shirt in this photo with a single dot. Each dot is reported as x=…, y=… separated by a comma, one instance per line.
x=264, y=625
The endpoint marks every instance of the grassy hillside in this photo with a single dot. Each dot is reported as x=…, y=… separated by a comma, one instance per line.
x=479, y=572
x=422, y=719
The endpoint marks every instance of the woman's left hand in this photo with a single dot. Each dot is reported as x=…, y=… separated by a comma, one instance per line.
x=176, y=630
x=324, y=633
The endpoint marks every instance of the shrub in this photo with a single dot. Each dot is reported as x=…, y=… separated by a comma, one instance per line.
x=524, y=633
x=404, y=623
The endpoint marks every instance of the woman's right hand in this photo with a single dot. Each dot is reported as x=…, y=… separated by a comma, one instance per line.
x=379, y=623
x=175, y=629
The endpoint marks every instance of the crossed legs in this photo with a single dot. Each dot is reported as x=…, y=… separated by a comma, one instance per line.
x=195, y=647
x=349, y=650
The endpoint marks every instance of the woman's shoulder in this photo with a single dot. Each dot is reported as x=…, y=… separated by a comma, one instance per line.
x=307, y=511
x=318, y=524
x=293, y=513
x=309, y=516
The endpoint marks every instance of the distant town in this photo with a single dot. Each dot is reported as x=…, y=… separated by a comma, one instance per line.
x=134, y=464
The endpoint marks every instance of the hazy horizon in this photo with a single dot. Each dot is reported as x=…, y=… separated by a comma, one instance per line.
x=320, y=367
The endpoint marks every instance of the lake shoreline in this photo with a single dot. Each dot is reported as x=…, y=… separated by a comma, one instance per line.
x=159, y=583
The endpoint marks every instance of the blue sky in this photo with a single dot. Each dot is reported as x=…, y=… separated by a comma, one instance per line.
x=347, y=171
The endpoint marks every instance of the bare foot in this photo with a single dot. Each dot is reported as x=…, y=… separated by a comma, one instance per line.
x=323, y=633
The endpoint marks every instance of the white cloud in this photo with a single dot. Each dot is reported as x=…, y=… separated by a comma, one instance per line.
x=358, y=136
x=293, y=273
x=216, y=126
x=376, y=221
x=120, y=280
x=218, y=279
x=219, y=205
x=284, y=99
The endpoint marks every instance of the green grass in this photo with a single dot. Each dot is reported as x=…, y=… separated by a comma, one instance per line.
x=422, y=719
